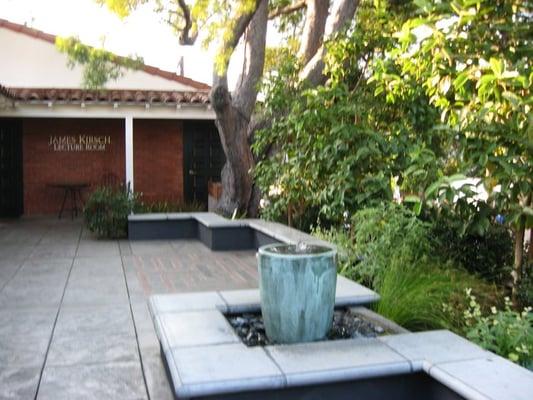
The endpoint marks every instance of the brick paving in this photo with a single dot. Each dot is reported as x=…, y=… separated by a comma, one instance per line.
x=74, y=323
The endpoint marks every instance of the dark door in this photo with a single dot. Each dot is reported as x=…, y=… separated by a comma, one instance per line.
x=10, y=168
x=203, y=159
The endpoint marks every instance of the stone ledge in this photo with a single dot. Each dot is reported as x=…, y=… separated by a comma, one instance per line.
x=205, y=364
x=349, y=293
x=463, y=366
x=211, y=229
x=340, y=360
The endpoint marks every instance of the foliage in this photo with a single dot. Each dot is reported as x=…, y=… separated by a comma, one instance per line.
x=425, y=295
x=106, y=211
x=489, y=255
x=100, y=65
x=215, y=19
x=122, y=8
x=506, y=332
x=219, y=18
x=336, y=147
x=391, y=250
x=389, y=235
x=288, y=24
x=375, y=238
x=471, y=58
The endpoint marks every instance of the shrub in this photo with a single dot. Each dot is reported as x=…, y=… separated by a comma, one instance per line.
x=389, y=249
x=168, y=207
x=506, y=332
x=426, y=296
x=106, y=211
x=385, y=233
x=489, y=255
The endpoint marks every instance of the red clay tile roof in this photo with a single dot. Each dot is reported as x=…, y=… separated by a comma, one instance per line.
x=35, y=33
x=78, y=96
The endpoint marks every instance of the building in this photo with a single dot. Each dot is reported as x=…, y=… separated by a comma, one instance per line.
x=151, y=129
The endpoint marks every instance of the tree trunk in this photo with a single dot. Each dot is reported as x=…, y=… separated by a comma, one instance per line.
x=236, y=177
x=519, y=252
x=530, y=250
x=315, y=24
x=233, y=114
x=518, y=255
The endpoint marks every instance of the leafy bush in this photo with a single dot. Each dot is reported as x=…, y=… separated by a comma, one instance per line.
x=335, y=147
x=385, y=234
x=506, y=332
x=374, y=237
x=489, y=255
x=106, y=211
x=389, y=249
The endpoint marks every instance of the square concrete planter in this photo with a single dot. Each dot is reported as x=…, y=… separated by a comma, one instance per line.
x=205, y=359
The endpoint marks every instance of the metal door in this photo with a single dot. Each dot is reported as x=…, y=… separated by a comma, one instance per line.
x=10, y=168
x=203, y=159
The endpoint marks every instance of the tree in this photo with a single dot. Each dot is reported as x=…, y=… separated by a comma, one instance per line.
x=472, y=57
x=339, y=145
x=246, y=21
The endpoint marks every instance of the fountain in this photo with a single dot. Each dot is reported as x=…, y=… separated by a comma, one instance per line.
x=297, y=290
x=273, y=342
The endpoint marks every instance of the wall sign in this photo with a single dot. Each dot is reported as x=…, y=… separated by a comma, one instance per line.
x=78, y=143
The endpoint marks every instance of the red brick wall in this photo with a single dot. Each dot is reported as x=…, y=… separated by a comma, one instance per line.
x=158, y=159
x=42, y=165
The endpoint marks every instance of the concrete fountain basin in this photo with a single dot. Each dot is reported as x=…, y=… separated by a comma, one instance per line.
x=205, y=358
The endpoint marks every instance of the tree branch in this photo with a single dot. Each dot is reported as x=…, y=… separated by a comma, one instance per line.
x=341, y=16
x=228, y=46
x=315, y=24
x=287, y=9
x=186, y=36
x=313, y=70
x=247, y=87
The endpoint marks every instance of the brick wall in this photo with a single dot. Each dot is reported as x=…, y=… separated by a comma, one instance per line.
x=157, y=149
x=43, y=166
x=158, y=159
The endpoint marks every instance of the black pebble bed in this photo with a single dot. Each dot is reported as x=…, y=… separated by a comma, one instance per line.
x=346, y=325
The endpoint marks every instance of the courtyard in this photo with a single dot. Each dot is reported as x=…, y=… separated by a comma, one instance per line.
x=74, y=321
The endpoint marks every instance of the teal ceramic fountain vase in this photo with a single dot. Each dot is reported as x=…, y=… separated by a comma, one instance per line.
x=297, y=285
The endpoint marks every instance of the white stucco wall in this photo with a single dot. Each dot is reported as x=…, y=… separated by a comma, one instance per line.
x=32, y=62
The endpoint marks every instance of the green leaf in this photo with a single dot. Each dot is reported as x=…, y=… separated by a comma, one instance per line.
x=411, y=199
x=432, y=189
x=460, y=80
x=496, y=65
x=512, y=98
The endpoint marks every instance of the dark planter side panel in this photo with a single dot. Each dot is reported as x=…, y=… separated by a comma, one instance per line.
x=164, y=229
x=401, y=387
x=260, y=239
x=204, y=235
x=234, y=238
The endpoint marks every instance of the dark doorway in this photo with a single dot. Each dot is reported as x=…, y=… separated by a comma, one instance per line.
x=203, y=159
x=10, y=168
